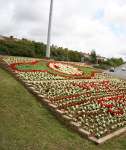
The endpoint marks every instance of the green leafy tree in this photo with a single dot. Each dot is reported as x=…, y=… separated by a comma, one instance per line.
x=93, y=57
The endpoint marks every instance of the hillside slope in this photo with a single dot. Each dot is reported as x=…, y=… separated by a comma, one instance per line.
x=26, y=124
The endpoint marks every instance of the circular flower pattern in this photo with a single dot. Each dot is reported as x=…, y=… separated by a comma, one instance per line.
x=65, y=68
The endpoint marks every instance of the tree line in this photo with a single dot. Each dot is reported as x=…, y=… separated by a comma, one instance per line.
x=27, y=48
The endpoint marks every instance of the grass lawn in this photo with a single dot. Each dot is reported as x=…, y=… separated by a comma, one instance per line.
x=27, y=125
x=87, y=70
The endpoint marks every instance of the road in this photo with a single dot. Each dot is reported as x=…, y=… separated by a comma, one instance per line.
x=118, y=72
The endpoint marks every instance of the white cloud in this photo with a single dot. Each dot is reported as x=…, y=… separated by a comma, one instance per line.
x=77, y=24
x=115, y=13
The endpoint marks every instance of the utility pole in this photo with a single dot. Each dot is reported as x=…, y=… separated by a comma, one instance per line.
x=49, y=30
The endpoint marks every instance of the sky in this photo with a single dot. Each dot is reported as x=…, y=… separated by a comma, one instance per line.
x=80, y=25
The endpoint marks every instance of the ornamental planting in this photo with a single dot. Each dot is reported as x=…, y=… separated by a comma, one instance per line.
x=95, y=102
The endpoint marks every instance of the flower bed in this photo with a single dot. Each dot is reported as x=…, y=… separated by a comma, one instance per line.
x=32, y=65
x=27, y=67
x=65, y=68
x=70, y=71
x=97, y=110
x=97, y=104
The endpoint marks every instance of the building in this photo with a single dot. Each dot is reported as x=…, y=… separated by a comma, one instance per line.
x=86, y=56
x=101, y=58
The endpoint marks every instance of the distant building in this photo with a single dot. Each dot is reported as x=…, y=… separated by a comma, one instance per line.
x=101, y=58
x=86, y=56
x=8, y=38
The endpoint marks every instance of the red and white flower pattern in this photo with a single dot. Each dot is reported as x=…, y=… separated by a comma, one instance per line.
x=97, y=104
x=65, y=68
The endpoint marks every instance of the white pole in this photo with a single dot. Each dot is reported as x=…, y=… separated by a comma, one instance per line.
x=49, y=31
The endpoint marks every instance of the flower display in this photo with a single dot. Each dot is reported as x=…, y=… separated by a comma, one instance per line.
x=12, y=59
x=97, y=103
x=27, y=67
x=65, y=68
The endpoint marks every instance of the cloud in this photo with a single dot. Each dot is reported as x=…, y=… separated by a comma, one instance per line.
x=115, y=13
x=30, y=11
x=77, y=24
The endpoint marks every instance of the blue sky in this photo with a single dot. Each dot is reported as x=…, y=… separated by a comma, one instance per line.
x=77, y=24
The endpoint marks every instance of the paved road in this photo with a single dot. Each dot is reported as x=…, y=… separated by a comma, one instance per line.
x=118, y=72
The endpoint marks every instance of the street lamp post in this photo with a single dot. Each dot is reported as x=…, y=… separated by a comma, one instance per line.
x=49, y=30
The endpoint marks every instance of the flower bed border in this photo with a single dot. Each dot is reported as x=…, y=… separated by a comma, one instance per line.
x=13, y=66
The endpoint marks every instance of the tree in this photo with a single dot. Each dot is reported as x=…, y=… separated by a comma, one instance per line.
x=93, y=57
